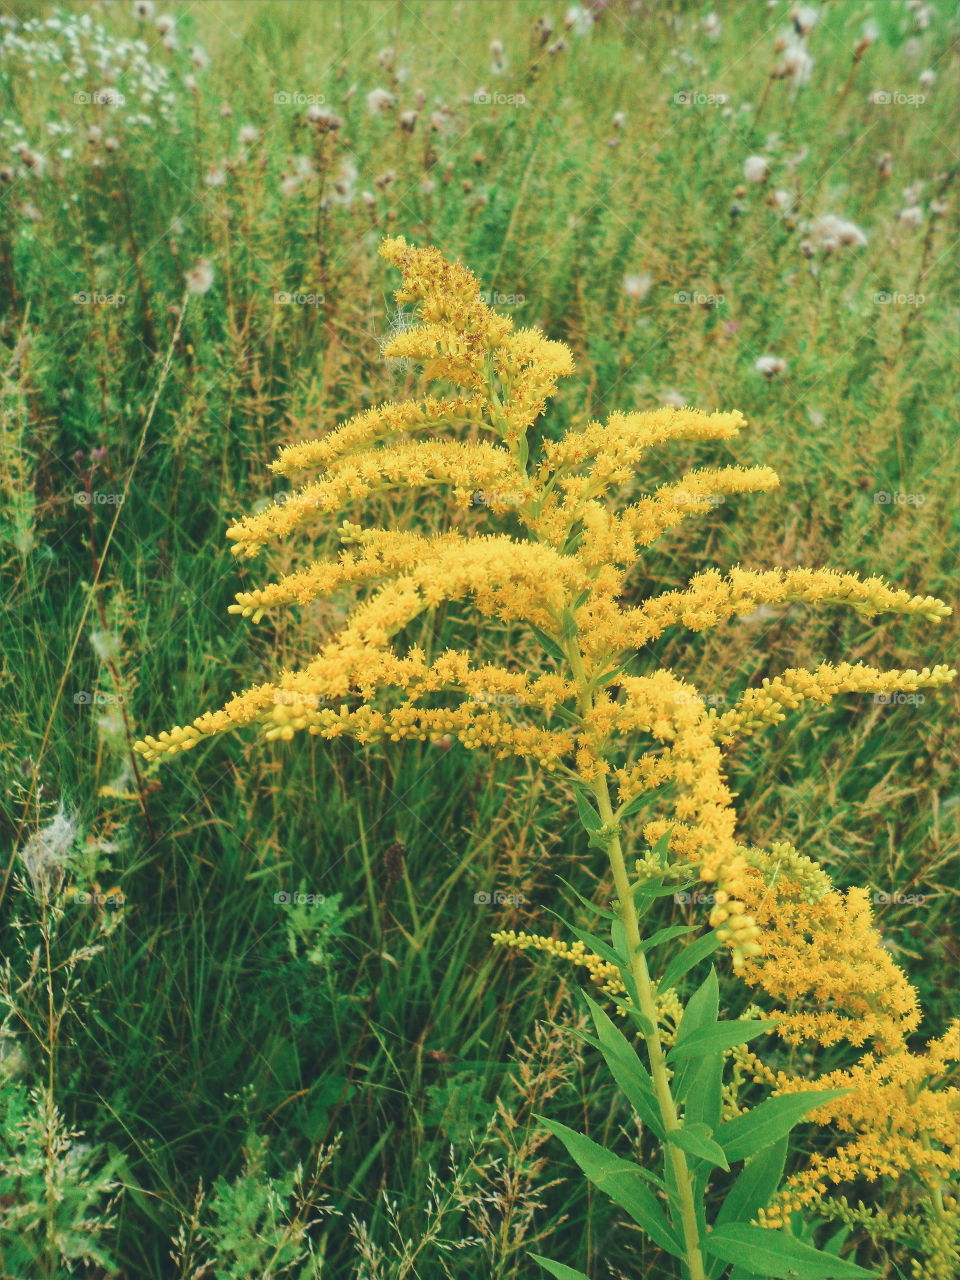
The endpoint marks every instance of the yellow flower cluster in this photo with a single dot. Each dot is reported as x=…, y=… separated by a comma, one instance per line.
x=769, y=703
x=830, y=982
x=559, y=578
x=459, y=331
x=602, y=973
x=823, y=958
x=824, y=961
x=934, y=1229
x=899, y=1119
x=376, y=425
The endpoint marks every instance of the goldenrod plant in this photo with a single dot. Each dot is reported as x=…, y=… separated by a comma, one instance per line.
x=577, y=697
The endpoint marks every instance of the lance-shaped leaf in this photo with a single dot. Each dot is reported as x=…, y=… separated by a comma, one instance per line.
x=559, y=1269
x=770, y=1121
x=700, y=1013
x=622, y=1180
x=591, y=906
x=625, y=1066
x=753, y=1190
x=776, y=1255
x=687, y=958
x=664, y=935
x=696, y=1140
x=596, y=945
x=724, y=1035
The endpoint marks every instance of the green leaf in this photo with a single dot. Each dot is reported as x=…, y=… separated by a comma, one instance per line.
x=755, y=1186
x=637, y=803
x=565, y=713
x=664, y=935
x=703, y=1105
x=549, y=644
x=655, y=888
x=591, y=906
x=659, y=850
x=704, y=1098
x=639, y=1020
x=700, y=1013
x=752, y=1191
x=777, y=1255
x=770, y=1121
x=618, y=936
x=702, y=1008
x=837, y=1241
x=621, y=1180
x=725, y=1035
x=559, y=1269
x=646, y=894
x=631, y=1076
x=591, y=820
x=695, y=1139
x=597, y=945
x=687, y=958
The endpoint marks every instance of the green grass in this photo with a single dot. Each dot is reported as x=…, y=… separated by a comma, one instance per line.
x=206, y=1019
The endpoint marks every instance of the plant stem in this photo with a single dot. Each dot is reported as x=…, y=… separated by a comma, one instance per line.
x=646, y=993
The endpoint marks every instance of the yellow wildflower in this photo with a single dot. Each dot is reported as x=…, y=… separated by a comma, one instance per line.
x=577, y=526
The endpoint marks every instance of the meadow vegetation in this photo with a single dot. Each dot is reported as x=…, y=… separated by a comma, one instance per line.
x=254, y=1023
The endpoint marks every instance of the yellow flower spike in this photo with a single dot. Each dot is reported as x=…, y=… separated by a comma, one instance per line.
x=577, y=523
x=377, y=426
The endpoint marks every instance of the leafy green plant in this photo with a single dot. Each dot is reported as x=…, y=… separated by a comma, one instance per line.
x=578, y=703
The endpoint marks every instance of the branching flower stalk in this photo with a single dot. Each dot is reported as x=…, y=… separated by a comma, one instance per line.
x=647, y=1001
x=555, y=674
x=645, y=988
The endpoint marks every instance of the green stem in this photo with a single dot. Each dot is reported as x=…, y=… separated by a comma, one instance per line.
x=936, y=1195
x=646, y=994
